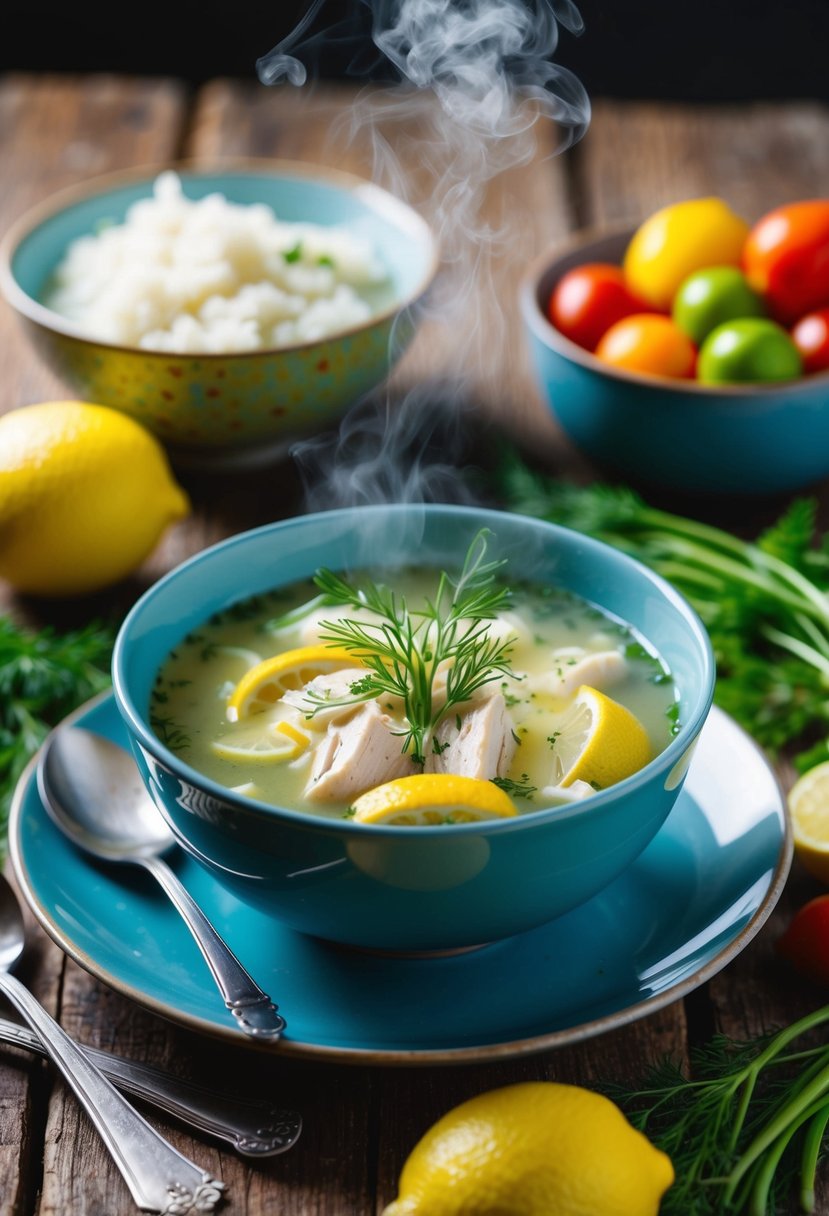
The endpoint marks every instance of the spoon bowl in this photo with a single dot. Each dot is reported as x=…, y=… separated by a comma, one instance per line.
x=95, y=795
x=93, y=792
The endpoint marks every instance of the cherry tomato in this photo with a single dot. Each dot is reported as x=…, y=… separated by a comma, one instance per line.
x=811, y=337
x=649, y=343
x=678, y=240
x=805, y=943
x=588, y=300
x=786, y=258
x=709, y=297
x=746, y=351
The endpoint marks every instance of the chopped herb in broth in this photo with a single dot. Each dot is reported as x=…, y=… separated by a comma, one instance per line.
x=312, y=695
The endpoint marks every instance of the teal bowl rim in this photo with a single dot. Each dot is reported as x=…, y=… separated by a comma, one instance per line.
x=543, y=329
x=33, y=217
x=664, y=760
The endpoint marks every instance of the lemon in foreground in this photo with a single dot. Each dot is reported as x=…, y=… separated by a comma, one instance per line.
x=85, y=494
x=431, y=798
x=598, y=741
x=261, y=687
x=809, y=812
x=533, y=1149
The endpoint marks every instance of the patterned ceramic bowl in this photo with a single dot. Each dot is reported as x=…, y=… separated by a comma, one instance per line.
x=217, y=403
x=409, y=888
x=741, y=439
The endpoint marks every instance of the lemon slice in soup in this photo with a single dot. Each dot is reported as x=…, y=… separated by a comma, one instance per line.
x=271, y=744
x=261, y=687
x=598, y=741
x=431, y=798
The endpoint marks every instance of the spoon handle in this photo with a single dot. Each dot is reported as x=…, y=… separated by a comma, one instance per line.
x=254, y=1126
x=159, y=1177
x=253, y=1009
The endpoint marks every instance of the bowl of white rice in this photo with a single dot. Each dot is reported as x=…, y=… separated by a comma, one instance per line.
x=229, y=310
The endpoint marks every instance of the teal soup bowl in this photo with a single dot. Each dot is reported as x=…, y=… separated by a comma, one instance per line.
x=734, y=440
x=410, y=888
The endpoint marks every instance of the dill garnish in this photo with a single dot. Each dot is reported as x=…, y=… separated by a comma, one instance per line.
x=516, y=789
x=405, y=647
x=746, y=1130
x=170, y=732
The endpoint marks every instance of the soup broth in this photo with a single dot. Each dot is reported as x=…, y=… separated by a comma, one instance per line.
x=512, y=730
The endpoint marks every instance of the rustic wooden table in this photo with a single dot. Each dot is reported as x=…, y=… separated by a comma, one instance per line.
x=359, y=1122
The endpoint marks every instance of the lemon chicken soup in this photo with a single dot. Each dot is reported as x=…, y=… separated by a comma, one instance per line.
x=451, y=698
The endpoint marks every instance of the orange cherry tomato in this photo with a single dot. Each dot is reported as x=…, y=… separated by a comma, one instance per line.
x=805, y=943
x=649, y=343
x=811, y=337
x=589, y=299
x=786, y=259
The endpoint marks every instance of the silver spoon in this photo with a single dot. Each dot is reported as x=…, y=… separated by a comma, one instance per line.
x=92, y=789
x=255, y=1127
x=160, y=1178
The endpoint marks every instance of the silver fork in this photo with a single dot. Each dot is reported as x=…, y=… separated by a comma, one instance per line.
x=255, y=1127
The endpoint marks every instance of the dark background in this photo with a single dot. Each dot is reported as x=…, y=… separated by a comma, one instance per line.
x=716, y=50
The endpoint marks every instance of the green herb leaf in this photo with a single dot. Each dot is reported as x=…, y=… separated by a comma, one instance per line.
x=405, y=647
x=294, y=254
x=43, y=677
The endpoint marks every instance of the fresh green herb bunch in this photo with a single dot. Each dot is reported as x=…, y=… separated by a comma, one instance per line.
x=747, y=1130
x=43, y=676
x=764, y=604
x=405, y=648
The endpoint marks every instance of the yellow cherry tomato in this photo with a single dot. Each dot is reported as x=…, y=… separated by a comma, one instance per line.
x=649, y=343
x=679, y=240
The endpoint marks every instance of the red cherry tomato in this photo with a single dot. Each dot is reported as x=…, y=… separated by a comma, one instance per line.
x=805, y=942
x=649, y=343
x=786, y=259
x=811, y=337
x=588, y=300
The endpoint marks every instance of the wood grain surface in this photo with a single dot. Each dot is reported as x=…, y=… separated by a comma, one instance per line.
x=361, y=1122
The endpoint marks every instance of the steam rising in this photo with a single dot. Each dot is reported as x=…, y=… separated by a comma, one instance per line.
x=488, y=65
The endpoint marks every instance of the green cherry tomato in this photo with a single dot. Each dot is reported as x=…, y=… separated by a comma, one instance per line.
x=750, y=349
x=709, y=297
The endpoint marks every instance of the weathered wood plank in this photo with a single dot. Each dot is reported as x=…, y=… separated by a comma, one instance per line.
x=636, y=158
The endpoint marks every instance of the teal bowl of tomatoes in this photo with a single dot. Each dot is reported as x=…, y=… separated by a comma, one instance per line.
x=691, y=353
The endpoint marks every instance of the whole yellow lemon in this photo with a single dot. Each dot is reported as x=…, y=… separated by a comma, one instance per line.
x=677, y=241
x=85, y=494
x=533, y=1149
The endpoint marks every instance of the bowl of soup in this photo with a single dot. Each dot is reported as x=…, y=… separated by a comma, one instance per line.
x=230, y=310
x=413, y=728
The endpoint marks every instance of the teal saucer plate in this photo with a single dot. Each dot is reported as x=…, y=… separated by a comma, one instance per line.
x=687, y=906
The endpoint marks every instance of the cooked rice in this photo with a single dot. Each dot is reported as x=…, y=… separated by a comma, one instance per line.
x=213, y=276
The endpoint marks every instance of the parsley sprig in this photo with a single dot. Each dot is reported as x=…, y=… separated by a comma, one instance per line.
x=43, y=676
x=406, y=647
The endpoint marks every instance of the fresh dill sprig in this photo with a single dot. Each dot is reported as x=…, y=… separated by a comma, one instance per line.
x=746, y=1129
x=43, y=677
x=404, y=649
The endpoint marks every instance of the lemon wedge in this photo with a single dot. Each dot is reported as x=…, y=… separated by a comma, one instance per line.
x=598, y=741
x=274, y=743
x=809, y=812
x=261, y=687
x=431, y=798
